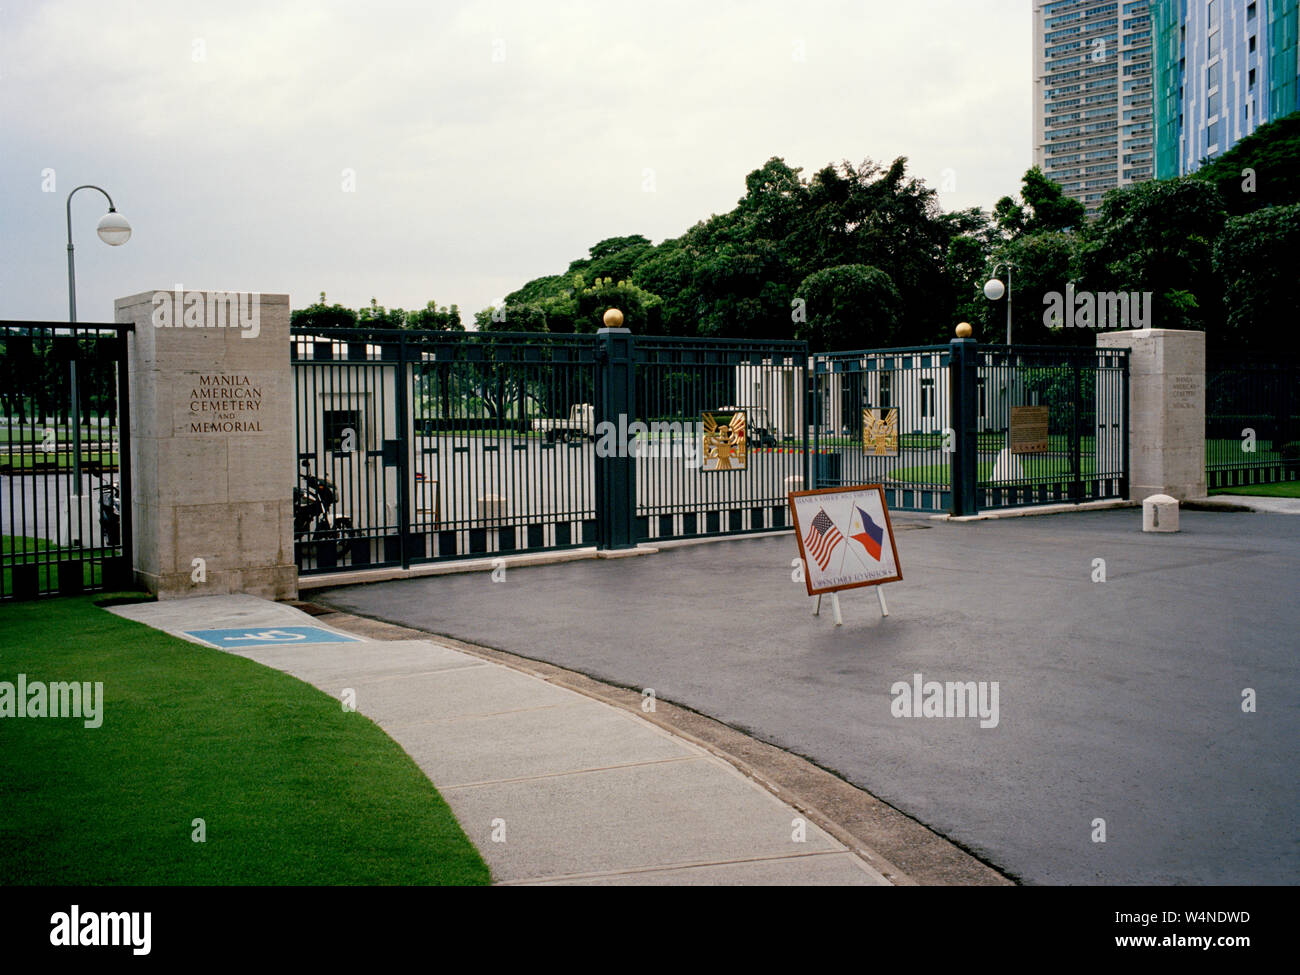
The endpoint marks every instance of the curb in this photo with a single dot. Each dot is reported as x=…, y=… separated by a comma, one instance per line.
x=905, y=851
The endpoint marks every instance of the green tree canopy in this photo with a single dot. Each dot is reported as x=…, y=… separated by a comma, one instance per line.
x=1158, y=236
x=321, y=315
x=1262, y=170
x=1257, y=256
x=850, y=306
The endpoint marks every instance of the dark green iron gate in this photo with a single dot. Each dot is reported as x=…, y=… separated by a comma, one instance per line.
x=921, y=420
x=65, y=473
x=1252, y=421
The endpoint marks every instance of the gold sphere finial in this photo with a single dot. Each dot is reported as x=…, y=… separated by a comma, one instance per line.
x=964, y=330
x=613, y=318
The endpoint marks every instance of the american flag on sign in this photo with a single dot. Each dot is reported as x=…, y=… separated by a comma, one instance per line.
x=822, y=538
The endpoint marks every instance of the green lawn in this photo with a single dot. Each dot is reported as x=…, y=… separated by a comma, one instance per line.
x=293, y=789
x=1284, y=489
x=1040, y=469
x=17, y=549
x=59, y=459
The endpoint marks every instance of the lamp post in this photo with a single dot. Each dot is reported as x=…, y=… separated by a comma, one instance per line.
x=114, y=231
x=993, y=290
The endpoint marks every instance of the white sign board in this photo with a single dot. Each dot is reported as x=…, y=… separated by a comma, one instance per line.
x=845, y=538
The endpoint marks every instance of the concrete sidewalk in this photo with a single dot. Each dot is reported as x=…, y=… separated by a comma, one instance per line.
x=551, y=786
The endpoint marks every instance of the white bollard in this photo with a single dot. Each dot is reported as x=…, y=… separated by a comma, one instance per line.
x=1160, y=513
x=793, y=483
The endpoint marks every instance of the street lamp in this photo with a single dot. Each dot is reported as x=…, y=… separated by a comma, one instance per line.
x=114, y=231
x=993, y=290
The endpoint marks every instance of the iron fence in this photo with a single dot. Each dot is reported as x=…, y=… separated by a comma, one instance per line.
x=1084, y=394
x=65, y=483
x=1252, y=421
x=437, y=445
x=907, y=418
x=723, y=438
x=881, y=416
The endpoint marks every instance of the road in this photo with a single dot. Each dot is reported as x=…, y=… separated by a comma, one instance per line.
x=1119, y=700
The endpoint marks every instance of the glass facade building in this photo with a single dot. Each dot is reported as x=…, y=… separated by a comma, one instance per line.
x=1223, y=68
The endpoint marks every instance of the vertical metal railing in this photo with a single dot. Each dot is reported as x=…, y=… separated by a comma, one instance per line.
x=60, y=529
x=467, y=444
x=1084, y=392
x=905, y=392
x=697, y=401
x=1252, y=420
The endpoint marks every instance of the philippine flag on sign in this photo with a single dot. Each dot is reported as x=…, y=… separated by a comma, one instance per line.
x=871, y=535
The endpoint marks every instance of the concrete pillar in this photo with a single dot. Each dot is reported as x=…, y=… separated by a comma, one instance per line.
x=1166, y=416
x=212, y=442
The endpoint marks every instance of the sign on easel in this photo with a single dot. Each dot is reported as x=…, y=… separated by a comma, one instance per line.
x=845, y=541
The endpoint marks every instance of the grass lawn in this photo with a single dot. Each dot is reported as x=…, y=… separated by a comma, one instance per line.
x=1039, y=470
x=56, y=459
x=1284, y=489
x=18, y=550
x=293, y=789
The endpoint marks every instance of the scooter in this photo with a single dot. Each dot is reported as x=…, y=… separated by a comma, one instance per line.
x=313, y=518
x=110, y=509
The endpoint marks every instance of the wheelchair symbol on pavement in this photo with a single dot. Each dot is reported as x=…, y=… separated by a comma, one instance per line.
x=242, y=639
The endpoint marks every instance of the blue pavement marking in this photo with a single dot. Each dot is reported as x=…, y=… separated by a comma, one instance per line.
x=268, y=636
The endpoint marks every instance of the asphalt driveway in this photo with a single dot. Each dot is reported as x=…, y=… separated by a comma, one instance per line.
x=1118, y=700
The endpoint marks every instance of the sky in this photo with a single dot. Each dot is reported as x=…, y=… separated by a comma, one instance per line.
x=453, y=151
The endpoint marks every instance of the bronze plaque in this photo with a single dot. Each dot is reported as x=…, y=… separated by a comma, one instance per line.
x=1028, y=433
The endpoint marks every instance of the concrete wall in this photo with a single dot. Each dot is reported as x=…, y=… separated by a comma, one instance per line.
x=212, y=442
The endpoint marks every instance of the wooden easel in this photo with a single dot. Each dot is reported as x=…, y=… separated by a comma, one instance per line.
x=835, y=605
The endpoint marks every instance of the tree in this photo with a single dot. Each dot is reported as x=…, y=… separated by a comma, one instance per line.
x=434, y=319
x=851, y=306
x=640, y=308
x=1043, y=207
x=1262, y=170
x=321, y=315
x=1257, y=256
x=377, y=316
x=1157, y=236
x=613, y=257
x=669, y=272
x=1044, y=263
x=511, y=318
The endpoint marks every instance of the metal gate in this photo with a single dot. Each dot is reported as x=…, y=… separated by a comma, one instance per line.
x=904, y=389
x=724, y=439
x=921, y=420
x=421, y=446
x=65, y=476
x=427, y=446
x=1252, y=421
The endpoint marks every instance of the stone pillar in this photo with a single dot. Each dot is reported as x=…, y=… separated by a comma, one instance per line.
x=212, y=442
x=1166, y=415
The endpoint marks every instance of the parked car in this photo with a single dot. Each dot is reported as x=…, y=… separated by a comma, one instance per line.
x=580, y=425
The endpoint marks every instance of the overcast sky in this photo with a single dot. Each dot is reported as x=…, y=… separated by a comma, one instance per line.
x=491, y=142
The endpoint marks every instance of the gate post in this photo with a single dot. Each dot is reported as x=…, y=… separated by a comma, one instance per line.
x=1166, y=421
x=616, y=406
x=211, y=442
x=963, y=409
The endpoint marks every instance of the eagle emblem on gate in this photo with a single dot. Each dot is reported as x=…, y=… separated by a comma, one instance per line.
x=880, y=432
x=724, y=441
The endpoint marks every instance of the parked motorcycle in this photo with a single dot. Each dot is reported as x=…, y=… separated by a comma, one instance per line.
x=313, y=516
x=110, y=508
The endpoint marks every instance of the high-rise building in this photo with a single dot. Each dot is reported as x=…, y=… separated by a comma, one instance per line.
x=1093, y=112
x=1223, y=68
